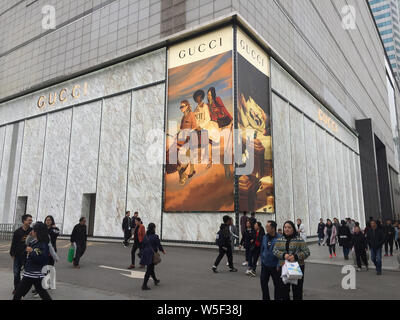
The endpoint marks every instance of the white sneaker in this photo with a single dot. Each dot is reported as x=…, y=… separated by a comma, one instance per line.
x=227, y=263
x=244, y=263
x=248, y=272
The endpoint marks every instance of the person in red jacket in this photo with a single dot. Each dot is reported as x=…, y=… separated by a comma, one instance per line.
x=138, y=235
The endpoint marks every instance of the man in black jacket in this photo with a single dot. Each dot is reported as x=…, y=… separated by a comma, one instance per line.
x=18, y=246
x=126, y=228
x=375, y=239
x=320, y=232
x=225, y=245
x=79, y=237
x=389, y=233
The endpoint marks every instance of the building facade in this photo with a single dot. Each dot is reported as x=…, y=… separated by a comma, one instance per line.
x=89, y=112
x=386, y=15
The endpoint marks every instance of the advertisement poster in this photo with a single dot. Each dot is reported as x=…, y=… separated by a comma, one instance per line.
x=256, y=190
x=199, y=175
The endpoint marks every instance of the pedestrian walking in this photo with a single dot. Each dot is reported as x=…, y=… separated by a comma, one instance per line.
x=396, y=235
x=301, y=229
x=291, y=247
x=389, y=233
x=150, y=247
x=18, y=246
x=53, y=232
x=350, y=224
x=255, y=248
x=344, y=237
x=126, y=228
x=376, y=239
x=269, y=262
x=360, y=247
x=224, y=245
x=246, y=241
x=79, y=239
x=234, y=236
x=139, y=232
x=320, y=232
x=330, y=237
x=37, y=257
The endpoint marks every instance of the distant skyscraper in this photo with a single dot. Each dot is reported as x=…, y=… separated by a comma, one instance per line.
x=386, y=14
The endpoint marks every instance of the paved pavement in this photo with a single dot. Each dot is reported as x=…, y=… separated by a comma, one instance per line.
x=320, y=254
x=185, y=274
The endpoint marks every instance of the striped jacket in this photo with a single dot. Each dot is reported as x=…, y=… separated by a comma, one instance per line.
x=36, y=260
x=295, y=246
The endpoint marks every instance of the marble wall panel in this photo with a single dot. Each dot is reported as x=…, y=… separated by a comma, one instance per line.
x=282, y=160
x=83, y=160
x=31, y=163
x=113, y=166
x=324, y=179
x=348, y=184
x=342, y=214
x=55, y=166
x=360, y=191
x=191, y=226
x=333, y=177
x=313, y=185
x=146, y=156
x=300, y=192
x=10, y=147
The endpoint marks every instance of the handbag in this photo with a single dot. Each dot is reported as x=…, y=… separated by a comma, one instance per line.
x=156, y=258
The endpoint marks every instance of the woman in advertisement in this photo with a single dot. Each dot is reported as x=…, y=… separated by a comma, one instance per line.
x=221, y=116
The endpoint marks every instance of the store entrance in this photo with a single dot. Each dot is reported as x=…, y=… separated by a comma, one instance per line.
x=89, y=211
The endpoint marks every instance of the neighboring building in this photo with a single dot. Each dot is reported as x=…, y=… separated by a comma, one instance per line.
x=386, y=15
x=89, y=111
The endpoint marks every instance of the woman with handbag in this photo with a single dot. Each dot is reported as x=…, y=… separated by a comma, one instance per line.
x=150, y=256
x=291, y=247
x=330, y=236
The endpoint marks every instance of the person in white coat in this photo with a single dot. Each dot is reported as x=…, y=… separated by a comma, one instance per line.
x=301, y=229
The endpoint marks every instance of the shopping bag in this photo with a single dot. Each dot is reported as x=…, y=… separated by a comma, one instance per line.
x=293, y=271
x=71, y=253
x=285, y=276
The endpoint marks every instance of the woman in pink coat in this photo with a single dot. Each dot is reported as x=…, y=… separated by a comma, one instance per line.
x=330, y=237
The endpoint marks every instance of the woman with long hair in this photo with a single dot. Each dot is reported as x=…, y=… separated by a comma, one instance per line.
x=291, y=247
x=256, y=248
x=151, y=244
x=248, y=236
x=37, y=258
x=54, y=232
x=330, y=236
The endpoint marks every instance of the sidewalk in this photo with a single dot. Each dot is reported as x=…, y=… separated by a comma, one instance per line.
x=320, y=255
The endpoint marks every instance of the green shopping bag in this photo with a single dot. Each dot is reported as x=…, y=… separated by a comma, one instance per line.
x=71, y=253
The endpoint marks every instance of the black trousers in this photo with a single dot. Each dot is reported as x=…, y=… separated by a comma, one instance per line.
x=135, y=247
x=80, y=250
x=149, y=273
x=266, y=274
x=361, y=256
x=255, y=254
x=332, y=248
x=389, y=243
x=26, y=284
x=223, y=252
x=284, y=289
